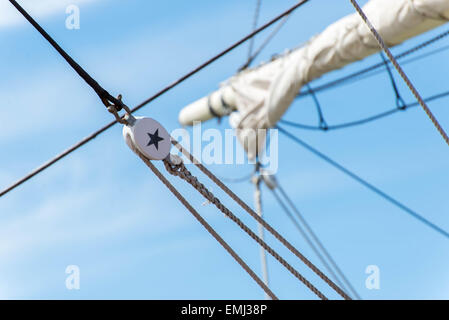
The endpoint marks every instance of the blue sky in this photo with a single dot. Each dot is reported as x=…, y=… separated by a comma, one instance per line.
x=103, y=210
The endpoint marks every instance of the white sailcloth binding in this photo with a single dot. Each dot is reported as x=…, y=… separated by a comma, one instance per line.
x=259, y=97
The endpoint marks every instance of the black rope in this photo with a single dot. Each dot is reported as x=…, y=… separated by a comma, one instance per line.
x=364, y=120
x=105, y=97
x=365, y=183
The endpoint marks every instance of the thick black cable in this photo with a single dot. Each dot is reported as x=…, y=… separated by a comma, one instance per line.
x=105, y=96
x=365, y=183
x=376, y=66
x=149, y=100
x=364, y=120
x=317, y=240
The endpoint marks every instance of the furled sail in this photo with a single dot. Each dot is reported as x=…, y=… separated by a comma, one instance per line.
x=259, y=97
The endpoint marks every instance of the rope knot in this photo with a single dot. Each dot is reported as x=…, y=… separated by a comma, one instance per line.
x=173, y=169
x=114, y=105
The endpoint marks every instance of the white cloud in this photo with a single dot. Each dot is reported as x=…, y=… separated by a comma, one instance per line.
x=9, y=16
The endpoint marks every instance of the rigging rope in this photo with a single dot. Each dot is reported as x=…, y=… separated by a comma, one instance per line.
x=365, y=183
x=117, y=103
x=203, y=222
x=400, y=104
x=105, y=96
x=246, y=177
x=364, y=120
x=182, y=172
x=322, y=123
x=253, y=214
x=314, y=237
x=306, y=237
x=149, y=100
x=401, y=72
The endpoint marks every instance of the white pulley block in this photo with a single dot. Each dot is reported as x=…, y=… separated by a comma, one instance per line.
x=149, y=137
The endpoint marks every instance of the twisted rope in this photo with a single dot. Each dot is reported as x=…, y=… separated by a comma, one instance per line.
x=182, y=172
x=201, y=220
x=268, y=227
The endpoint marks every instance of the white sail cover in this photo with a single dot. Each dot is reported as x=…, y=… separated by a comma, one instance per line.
x=261, y=96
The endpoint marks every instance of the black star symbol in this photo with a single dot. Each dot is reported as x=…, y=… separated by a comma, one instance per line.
x=154, y=139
